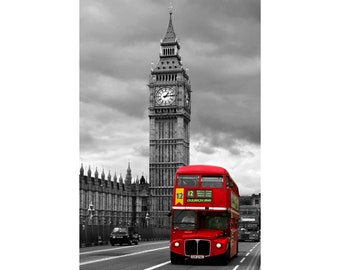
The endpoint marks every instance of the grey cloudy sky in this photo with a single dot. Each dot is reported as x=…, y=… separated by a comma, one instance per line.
x=220, y=45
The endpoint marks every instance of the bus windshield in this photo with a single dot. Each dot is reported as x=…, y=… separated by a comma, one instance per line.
x=189, y=220
x=184, y=220
x=215, y=221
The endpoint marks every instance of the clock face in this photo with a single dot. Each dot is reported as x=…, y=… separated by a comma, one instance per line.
x=165, y=95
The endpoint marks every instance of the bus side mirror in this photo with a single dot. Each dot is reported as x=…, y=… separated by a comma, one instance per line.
x=169, y=214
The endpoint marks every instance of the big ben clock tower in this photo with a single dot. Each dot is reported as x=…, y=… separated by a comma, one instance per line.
x=169, y=114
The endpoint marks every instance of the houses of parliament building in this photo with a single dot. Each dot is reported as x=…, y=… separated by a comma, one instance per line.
x=106, y=201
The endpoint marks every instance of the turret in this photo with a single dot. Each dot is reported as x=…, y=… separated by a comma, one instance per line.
x=115, y=178
x=89, y=173
x=103, y=181
x=103, y=175
x=128, y=176
x=96, y=174
x=115, y=185
x=121, y=184
x=142, y=180
x=82, y=170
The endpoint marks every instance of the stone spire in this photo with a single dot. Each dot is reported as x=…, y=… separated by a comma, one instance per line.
x=103, y=175
x=128, y=176
x=169, y=66
x=170, y=36
x=115, y=178
x=89, y=172
x=142, y=180
x=82, y=170
x=96, y=174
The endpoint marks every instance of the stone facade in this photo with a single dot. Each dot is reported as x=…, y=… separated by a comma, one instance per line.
x=169, y=114
x=110, y=202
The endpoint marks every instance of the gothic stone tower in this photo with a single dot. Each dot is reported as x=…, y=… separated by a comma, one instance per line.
x=169, y=114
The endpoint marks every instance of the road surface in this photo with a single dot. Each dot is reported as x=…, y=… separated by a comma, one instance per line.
x=155, y=255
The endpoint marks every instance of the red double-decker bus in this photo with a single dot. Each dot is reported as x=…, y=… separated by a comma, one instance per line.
x=204, y=215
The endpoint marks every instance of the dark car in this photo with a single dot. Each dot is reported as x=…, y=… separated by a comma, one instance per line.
x=124, y=235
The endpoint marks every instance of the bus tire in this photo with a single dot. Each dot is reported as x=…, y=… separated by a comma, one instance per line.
x=176, y=259
x=236, y=254
x=225, y=258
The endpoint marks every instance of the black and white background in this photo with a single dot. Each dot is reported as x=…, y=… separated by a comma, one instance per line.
x=41, y=123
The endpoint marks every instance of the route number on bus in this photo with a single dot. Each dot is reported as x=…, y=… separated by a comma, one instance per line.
x=179, y=196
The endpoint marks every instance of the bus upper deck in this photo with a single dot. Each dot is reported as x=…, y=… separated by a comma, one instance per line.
x=205, y=186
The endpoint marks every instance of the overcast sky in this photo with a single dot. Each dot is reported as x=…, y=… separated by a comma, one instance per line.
x=220, y=45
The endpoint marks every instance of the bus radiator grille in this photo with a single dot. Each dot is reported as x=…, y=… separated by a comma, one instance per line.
x=197, y=247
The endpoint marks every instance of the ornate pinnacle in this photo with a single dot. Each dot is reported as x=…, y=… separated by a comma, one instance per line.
x=170, y=8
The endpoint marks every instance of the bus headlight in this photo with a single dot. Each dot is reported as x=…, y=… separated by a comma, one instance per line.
x=218, y=245
x=176, y=244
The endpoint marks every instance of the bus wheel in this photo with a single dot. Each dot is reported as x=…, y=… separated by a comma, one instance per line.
x=236, y=254
x=176, y=259
x=226, y=256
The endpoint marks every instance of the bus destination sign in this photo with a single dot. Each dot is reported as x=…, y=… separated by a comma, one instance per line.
x=194, y=196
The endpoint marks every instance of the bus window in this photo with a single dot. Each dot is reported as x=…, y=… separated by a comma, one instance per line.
x=184, y=220
x=187, y=181
x=212, y=181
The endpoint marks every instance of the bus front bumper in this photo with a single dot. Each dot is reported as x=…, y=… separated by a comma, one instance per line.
x=197, y=249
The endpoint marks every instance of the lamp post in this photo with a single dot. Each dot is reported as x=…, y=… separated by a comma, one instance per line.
x=91, y=211
x=84, y=229
x=147, y=219
x=104, y=226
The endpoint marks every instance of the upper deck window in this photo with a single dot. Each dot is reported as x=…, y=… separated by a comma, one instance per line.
x=187, y=181
x=212, y=181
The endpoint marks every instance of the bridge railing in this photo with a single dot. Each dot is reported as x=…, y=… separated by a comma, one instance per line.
x=90, y=235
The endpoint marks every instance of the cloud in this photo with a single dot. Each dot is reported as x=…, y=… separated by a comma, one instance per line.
x=126, y=97
x=142, y=150
x=224, y=119
x=243, y=167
